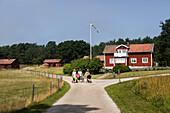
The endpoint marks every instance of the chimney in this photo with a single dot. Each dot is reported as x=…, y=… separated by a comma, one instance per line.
x=128, y=44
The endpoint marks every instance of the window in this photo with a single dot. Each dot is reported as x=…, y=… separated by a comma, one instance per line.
x=120, y=60
x=144, y=60
x=121, y=50
x=133, y=60
x=111, y=60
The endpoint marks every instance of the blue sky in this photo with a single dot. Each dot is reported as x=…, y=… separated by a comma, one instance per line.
x=40, y=21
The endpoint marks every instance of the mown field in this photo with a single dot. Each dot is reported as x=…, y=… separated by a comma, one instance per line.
x=150, y=94
x=16, y=86
x=51, y=70
x=138, y=73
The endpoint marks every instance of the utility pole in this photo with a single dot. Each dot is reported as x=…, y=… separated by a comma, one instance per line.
x=90, y=43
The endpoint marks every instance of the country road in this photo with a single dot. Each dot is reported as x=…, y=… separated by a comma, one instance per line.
x=86, y=98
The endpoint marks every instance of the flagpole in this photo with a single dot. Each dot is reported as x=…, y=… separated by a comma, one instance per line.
x=90, y=43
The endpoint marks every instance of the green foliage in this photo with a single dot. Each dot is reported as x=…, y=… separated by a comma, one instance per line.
x=121, y=68
x=93, y=65
x=71, y=50
x=67, y=69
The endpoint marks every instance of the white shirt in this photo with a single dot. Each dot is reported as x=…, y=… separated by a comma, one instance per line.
x=74, y=74
x=80, y=73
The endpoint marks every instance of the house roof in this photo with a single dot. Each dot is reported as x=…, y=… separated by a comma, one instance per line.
x=52, y=60
x=7, y=61
x=101, y=57
x=132, y=48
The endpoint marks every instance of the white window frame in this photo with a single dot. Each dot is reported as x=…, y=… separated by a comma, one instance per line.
x=120, y=60
x=111, y=60
x=145, y=58
x=132, y=59
x=121, y=50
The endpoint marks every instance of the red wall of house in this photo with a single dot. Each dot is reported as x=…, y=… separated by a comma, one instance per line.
x=57, y=65
x=15, y=65
x=107, y=57
x=139, y=59
x=122, y=48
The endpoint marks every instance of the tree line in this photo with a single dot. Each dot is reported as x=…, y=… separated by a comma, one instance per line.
x=31, y=53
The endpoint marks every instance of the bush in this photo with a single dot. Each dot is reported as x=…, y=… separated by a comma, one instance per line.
x=93, y=65
x=67, y=69
x=121, y=68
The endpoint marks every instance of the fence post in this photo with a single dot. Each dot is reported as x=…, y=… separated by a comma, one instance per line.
x=119, y=75
x=113, y=74
x=52, y=75
x=48, y=74
x=32, y=99
x=61, y=79
x=58, y=83
x=56, y=77
x=50, y=87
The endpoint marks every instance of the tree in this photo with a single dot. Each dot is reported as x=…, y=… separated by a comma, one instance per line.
x=162, y=44
x=71, y=50
x=51, y=49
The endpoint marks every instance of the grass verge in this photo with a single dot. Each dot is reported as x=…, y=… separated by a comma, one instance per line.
x=138, y=96
x=51, y=70
x=138, y=74
x=44, y=105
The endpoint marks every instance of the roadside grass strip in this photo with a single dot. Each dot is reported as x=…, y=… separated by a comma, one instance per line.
x=138, y=74
x=146, y=95
x=45, y=104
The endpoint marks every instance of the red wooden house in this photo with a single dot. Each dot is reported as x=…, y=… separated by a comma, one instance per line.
x=9, y=64
x=53, y=62
x=133, y=55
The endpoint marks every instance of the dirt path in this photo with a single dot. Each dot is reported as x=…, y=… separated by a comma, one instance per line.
x=86, y=98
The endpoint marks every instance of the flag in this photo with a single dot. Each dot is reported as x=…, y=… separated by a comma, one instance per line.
x=94, y=28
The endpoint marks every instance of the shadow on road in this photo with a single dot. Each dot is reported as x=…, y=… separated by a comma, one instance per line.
x=68, y=108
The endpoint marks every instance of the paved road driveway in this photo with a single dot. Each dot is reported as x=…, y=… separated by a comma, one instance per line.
x=86, y=98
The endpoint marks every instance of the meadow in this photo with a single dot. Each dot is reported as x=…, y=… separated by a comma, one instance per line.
x=149, y=94
x=138, y=74
x=16, y=89
x=51, y=70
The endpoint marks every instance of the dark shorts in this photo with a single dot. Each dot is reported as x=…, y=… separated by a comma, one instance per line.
x=73, y=79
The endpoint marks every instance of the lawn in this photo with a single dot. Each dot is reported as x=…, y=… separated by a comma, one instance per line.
x=57, y=70
x=138, y=73
x=15, y=89
x=51, y=70
x=147, y=95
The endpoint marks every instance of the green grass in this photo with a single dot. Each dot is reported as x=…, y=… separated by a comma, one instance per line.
x=51, y=70
x=127, y=98
x=15, y=89
x=138, y=73
x=97, y=75
x=26, y=65
x=44, y=105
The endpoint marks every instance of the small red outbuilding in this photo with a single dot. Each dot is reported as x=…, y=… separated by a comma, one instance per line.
x=53, y=62
x=9, y=64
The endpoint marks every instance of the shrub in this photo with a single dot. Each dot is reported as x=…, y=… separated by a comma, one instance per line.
x=93, y=65
x=67, y=69
x=121, y=68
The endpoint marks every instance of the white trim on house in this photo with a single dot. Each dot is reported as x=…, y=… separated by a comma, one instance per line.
x=109, y=67
x=144, y=58
x=133, y=59
x=151, y=59
x=126, y=61
x=122, y=45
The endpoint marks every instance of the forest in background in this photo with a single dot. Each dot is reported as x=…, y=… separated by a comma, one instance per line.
x=31, y=53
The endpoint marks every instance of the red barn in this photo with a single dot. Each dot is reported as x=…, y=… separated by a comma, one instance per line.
x=133, y=55
x=53, y=62
x=9, y=64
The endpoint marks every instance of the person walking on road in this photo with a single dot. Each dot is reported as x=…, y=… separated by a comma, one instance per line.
x=74, y=75
x=80, y=73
